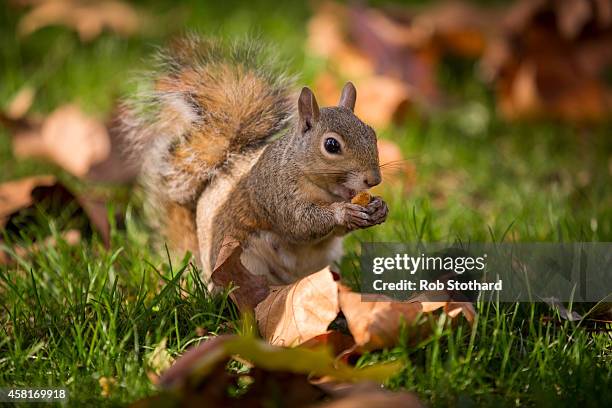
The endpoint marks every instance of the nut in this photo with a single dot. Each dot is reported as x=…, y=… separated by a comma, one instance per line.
x=362, y=198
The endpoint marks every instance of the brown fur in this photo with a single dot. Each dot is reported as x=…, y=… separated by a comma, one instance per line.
x=211, y=166
x=209, y=100
x=178, y=227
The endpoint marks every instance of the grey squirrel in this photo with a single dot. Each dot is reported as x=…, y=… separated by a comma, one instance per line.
x=225, y=153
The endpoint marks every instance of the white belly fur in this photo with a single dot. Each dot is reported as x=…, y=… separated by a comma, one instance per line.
x=212, y=199
x=281, y=262
x=266, y=253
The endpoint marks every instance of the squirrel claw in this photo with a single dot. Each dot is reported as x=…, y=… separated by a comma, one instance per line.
x=354, y=216
x=379, y=211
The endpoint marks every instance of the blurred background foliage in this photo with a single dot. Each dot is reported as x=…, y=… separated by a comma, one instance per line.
x=494, y=118
x=489, y=157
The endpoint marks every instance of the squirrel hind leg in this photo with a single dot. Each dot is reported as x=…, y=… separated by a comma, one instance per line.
x=179, y=231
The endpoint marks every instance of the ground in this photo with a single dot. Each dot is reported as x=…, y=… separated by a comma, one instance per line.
x=71, y=315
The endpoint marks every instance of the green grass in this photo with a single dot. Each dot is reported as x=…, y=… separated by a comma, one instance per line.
x=72, y=314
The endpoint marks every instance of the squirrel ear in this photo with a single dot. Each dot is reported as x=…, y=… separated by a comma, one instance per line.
x=308, y=109
x=349, y=96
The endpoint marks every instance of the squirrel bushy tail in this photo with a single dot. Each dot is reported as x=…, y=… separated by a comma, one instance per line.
x=204, y=101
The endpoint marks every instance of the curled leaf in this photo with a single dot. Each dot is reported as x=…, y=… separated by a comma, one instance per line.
x=295, y=313
x=249, y=289
x=199, y=362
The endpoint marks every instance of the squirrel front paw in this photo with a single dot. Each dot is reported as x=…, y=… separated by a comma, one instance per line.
x=354, y=216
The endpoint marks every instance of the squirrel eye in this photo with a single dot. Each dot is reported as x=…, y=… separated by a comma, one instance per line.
x=332, y=145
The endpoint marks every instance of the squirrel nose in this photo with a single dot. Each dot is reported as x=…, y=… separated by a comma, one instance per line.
x=372, y=179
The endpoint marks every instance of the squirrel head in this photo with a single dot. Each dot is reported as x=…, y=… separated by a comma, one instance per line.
x=341, y=155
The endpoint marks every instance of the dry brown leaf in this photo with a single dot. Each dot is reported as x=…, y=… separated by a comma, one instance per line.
x=21, y=103
x=519, y=97
x=68, y=137
x=550, y=58
x=301, y=313
x=375, y=321
x=452, y=309
x=249, y=289
x=381, y=99
x=200, y=377
x=547, y=58
x=350, y=62
x=26, y=193
x=397, y=51
x=295, y=313
x=389, y=152
x=95, y=209
x=87, y=18
x=376, y=324
x=329, y=31
x=15, y=195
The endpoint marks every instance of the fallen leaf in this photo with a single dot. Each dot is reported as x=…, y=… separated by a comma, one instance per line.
x=249, y=289
x=376, y=324
x=293, y=314
x=392, y=55
x=200, y=361
x=87, y=18
x=549, y=60
x=197, y=361
x=381, y=92
x=302, y=312
x=68, y=137
x=394, y=51
x=520, y=97
x=375, y=321
x=544, y=58
x=15, y=195
x=452, y=309
x=381, y=100
x=200, y=376
x=26, y=194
